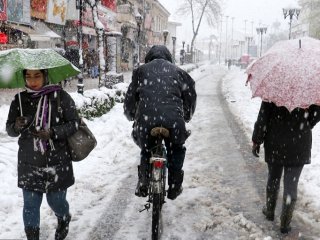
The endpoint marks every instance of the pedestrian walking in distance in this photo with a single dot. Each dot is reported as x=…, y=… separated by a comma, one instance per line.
x=160, y=94
x=287, y=139
x=44, y=160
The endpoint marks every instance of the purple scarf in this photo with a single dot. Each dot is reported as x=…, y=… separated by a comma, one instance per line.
x=44, y=90
x=43, y=115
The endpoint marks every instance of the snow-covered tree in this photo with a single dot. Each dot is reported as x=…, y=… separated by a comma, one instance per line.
x=93, y=4
x=199, y=9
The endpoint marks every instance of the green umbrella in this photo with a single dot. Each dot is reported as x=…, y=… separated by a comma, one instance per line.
x=14, y=61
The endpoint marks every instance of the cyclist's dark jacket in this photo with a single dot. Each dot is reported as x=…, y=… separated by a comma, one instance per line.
x=160, y=94
x=53, y=170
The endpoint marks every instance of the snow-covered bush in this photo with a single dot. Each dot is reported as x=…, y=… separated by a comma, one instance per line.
x=94, y=103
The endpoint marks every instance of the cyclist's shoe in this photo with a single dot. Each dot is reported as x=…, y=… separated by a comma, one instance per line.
x=141, y=190
x=174, y=191
x=175, y=179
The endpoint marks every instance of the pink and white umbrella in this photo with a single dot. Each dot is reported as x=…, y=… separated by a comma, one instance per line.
x=288, y=74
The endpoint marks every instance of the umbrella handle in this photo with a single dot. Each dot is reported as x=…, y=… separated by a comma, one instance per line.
x=19, y=96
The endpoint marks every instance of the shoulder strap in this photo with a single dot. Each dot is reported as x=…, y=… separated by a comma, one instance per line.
x=59, y=104
x=20, y=105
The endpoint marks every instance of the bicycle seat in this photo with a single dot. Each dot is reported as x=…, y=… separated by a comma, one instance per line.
x=160, y=132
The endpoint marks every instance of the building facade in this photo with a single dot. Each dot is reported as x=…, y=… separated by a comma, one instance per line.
x=46, y=23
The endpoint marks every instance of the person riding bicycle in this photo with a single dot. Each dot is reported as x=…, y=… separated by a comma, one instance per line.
x=160, y=95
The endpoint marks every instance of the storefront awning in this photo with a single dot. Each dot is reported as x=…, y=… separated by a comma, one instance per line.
x=22, y=28
x=38, y=32
x=39, y=38
x=42, y=33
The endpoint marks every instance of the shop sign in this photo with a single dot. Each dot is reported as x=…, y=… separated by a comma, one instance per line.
x=15, y=11
x=103, y=17
x=3, y=10
x=39, y=9
x=107, y=18
x=87, y=18
x=18, y=11
x=3, y=38
x=73, y=43
x=148, y=21
x=111, y=4
x=72, y=12
x=57, y=10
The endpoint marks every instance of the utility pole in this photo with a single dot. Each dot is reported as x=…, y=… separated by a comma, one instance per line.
x=226, y=50
x=80, y=85
x=220, y=40
x=232, y=38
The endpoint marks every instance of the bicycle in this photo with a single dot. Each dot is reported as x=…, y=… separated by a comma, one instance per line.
x=156, y=180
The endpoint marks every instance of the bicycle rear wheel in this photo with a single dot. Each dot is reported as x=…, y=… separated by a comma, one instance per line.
x=156, y=215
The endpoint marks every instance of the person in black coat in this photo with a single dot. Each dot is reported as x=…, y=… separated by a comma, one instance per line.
x=161, y=94
x=44, y=160
x=287, y=139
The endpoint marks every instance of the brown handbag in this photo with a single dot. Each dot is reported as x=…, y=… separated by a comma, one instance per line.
x=82, y=142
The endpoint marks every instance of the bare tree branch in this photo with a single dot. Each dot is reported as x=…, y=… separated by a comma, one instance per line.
x=210, y=9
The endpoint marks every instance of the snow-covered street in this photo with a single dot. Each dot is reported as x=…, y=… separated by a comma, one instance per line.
x=223, y=188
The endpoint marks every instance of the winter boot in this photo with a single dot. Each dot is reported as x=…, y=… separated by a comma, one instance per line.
x=63, y=227
x=142, y=187
x=286, y=215
x=269, y=208
x=32, y=233
x=175, y=180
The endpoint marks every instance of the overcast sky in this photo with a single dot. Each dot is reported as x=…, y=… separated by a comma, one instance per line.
x=257, y=11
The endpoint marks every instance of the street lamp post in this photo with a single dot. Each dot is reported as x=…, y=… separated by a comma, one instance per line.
x=231, y=45
x=80, y=85
x=235, y=50
x=220, y=40
x=249, y=39
x=261, y=31
x=165, y=35
x=226, y=50
x=290, y=12
x=210, y=47
x=174, y=49
x=138, y=18
x=182, y=54
x=241, y=43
